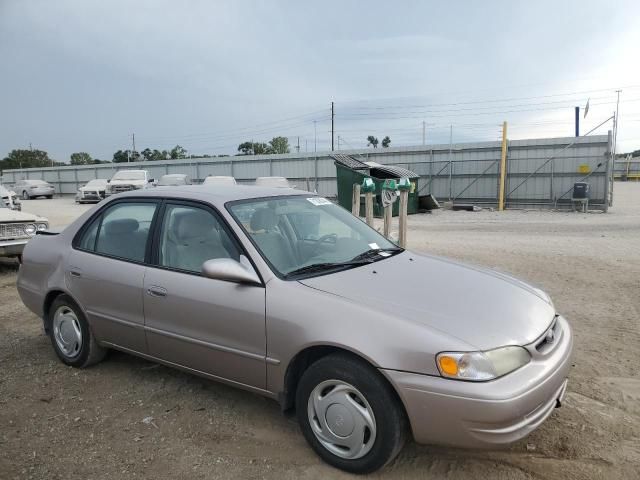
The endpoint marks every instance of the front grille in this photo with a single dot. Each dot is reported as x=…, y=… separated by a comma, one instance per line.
x=122, y=188
x=12, y=230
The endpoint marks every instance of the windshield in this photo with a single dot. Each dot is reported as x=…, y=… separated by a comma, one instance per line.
x=36, y=182
x=294, y=234
x=129, y=175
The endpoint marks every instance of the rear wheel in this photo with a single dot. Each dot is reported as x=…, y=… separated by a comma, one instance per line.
x=349, y=414
x=49, y=196
x=71, y=336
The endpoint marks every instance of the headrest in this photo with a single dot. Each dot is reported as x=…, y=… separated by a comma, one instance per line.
x=121, y=225
x=264, y=219
x=195, y=223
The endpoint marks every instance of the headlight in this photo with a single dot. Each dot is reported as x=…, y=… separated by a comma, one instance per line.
x=42, y=226
x=30, y=229
x=481, y=366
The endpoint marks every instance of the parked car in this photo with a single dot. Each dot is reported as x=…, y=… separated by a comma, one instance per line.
x=287, y=295
x=9, y=198
x=219, y=180
x=16, y=228
x=173, y=180
x=94, y=191
x=28, y=189
x=279, y=182
x=126, y=180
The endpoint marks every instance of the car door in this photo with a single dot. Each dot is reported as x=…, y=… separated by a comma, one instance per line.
x=106, y=269
x=208, y=325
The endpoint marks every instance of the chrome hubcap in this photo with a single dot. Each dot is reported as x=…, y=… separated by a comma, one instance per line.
x=341, y=419
x=67, y=332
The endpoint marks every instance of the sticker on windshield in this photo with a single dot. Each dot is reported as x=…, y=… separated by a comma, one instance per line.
x=319, y=201
x=374, y=246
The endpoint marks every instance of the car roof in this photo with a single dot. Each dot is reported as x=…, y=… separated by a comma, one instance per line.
x=216, y=194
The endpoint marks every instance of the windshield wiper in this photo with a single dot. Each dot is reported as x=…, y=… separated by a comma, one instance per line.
x=374, y=253
x=319, y=267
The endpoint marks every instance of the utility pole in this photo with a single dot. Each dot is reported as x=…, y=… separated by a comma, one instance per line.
x=30, y=147
x=577, y=121
x=615, y=129
x=315, y=136
x=298, y=146
x=338, y=142
x=133, y=142
x=332, y=130
x=423, y=132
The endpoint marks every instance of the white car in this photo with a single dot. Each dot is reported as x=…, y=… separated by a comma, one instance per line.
x=219, y=180
x=126, y=180
x=173, y=180
x=278, y=182
x=16, y=228
x=9, y=198
x=94, y=191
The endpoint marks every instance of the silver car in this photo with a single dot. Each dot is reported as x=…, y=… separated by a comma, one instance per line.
x=28, y=189
x=286, y=294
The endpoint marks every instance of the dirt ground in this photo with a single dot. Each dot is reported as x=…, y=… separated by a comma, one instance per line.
x=58, y=422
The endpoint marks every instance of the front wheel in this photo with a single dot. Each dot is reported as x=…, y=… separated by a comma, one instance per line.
x=71, y=336
x=25, y=195
x=349, y=414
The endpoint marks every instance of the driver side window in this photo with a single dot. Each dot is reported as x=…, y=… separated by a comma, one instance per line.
x=192, y=235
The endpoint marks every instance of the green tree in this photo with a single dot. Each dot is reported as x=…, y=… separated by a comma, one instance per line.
x=81, y=158
x=121, y=156
x=372, y=141
x=147, y=154
x=27, y=159
x=253, y=148
x=279, y=145
x=178, y=152
x=386, y=141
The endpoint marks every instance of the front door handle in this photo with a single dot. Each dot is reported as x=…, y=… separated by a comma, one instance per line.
x=75, y=272
x=157, y=291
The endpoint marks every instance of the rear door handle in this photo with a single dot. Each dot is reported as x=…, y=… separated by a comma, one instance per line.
x=157, y=291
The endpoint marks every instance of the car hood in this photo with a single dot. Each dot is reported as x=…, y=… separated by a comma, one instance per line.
x=7, y=215
x=127, y=182
x=92, y=189
x=484, y=308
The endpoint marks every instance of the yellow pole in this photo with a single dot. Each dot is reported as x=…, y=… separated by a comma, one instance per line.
x=503, y=167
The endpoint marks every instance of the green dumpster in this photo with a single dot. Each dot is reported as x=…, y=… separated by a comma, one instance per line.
x=350, y=171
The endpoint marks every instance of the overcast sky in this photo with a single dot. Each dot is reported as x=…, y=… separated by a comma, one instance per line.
x=85, y=75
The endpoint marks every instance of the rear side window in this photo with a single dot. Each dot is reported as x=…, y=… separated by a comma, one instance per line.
x=121, y=231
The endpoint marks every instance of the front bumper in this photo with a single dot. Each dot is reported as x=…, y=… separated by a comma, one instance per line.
x=10, y=248
x=486, y=414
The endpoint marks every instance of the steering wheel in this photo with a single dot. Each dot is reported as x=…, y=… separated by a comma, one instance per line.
x=329, y=239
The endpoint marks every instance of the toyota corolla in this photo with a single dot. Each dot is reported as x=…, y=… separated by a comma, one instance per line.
x=283, y=293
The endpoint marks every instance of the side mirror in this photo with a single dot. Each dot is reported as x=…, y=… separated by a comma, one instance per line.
x=230, y=271
x=151, y=180
x=108, y=181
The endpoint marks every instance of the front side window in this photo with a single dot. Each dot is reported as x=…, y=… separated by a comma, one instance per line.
x=192, y=235
x=121, y=231
x=296, y=234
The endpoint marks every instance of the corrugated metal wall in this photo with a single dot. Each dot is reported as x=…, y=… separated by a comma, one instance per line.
x=539, y=172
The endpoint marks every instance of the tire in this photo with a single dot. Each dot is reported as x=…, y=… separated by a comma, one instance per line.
x=25, y=195
x=71, y=336
x=349, y=385
x=49, y=196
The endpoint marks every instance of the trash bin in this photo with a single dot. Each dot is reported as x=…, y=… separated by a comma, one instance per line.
x=350, y=171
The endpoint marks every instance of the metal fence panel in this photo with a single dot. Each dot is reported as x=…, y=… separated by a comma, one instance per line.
x=465, y=172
